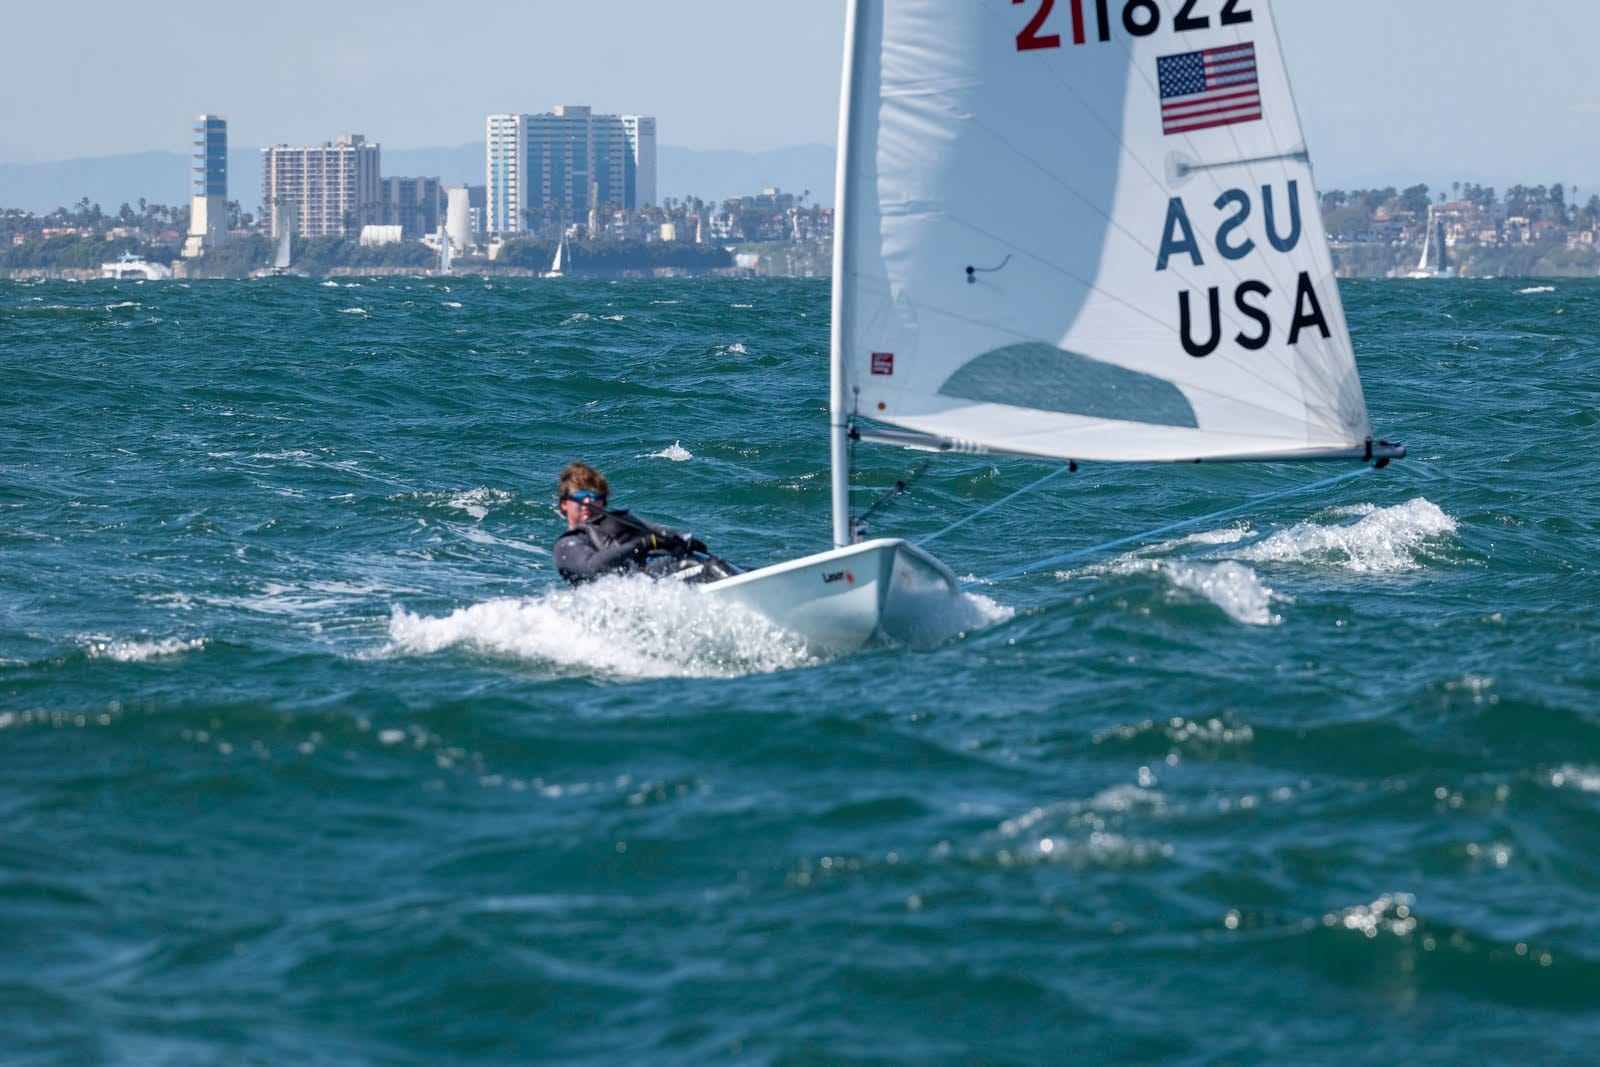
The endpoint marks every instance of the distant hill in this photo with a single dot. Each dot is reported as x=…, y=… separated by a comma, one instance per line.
x=163, y=177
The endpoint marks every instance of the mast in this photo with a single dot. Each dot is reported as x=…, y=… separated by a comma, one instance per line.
x=838, y=395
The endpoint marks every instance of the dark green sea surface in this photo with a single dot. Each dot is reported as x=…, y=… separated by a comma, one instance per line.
x=306, y=756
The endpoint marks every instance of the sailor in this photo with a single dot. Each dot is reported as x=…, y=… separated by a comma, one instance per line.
x=599, y=541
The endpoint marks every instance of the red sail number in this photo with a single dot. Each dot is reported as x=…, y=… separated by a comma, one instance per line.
x=1030, y=38
x=1140, y=18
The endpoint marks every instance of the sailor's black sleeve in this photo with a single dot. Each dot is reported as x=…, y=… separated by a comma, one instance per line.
x=580, y=561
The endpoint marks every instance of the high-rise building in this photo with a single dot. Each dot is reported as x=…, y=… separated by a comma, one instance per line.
x=640, y=131
x=208, y=185
x=335, y=189
x=547, y=171
x=416, y=205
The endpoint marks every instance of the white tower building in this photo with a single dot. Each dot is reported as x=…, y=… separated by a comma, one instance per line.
x=458, y=216
x=208, y=185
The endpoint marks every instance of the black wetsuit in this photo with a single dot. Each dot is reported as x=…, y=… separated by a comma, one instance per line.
x=616, y=542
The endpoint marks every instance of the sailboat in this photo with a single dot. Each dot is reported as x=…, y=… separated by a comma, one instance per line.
x=444, y=250
x=281, y=259
x=1432, y=235
x=557, y=265
x=1067, y=235
x=283, y=222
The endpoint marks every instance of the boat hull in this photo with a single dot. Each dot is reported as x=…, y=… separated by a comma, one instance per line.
x=840, y=600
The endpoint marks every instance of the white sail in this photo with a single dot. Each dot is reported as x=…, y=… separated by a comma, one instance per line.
x=1427, y=239
x=280, y=261
x=444, y=250
x=1085, y=231
x=561, y=254
x=1071, y=229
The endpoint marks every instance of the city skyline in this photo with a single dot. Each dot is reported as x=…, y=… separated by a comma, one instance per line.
x=1433, y=90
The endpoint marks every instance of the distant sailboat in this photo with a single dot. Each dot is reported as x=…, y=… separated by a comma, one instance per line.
x=444, y=251
x=558, y=264
x=283, y=220
x=1433, y=247
x=282, y=259
x=130, y=267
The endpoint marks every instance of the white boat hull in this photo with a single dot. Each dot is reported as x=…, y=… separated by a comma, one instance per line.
x=840, y=600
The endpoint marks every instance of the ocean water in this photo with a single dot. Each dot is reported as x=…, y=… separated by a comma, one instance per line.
x=306, y=756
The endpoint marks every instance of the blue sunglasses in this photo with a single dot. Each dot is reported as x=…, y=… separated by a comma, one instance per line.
x=585, y=496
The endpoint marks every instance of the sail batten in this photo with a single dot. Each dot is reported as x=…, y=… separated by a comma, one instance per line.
x=1164, y=288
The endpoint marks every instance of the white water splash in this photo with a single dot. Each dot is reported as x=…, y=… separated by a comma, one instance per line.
x=353, y=311
x=624, y=627
x=735, y=349
x=1381, y=541
x=476, y=502
x=1538, y=289
x=675, y=452
x=1570, y=776
x=1233, y=587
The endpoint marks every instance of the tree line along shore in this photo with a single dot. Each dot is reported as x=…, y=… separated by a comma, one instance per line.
x=1529, y=231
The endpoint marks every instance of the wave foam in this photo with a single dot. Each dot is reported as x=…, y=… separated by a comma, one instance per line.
x=1233, y=587
x=1381, y=541
x=624, y=627
x=675, y=452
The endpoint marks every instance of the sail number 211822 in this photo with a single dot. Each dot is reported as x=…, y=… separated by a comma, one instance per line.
x=1140, y=18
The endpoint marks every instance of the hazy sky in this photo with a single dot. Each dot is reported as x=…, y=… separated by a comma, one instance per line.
x=1390, y=91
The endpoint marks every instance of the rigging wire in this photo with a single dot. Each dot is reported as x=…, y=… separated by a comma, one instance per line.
x=1053, y=561
x=998, y=503
x=859, y=523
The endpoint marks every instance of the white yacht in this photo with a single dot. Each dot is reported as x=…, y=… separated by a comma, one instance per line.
x=131, y=267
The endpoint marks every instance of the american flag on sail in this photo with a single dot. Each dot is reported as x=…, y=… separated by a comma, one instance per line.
x=1213, y=87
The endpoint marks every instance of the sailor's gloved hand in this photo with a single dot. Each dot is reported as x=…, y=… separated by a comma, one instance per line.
x=695, y=544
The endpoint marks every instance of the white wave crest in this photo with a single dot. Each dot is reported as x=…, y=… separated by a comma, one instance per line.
x=476, y=502
x=140, y=651
x=624, y=627
x=675, y=452
x=1233, y=587
x=1538, y=289
x=1381, y=541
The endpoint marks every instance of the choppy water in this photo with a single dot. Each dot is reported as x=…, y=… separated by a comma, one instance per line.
x=307, y=758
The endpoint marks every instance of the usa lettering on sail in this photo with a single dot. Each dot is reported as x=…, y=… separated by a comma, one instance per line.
x=1232, y=241
x=1139, y=18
